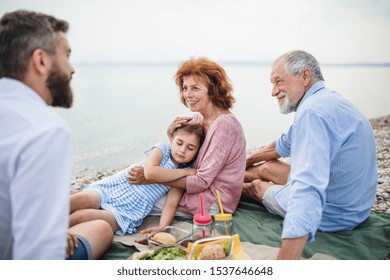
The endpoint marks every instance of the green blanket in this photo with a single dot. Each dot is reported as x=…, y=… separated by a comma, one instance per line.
x=369, y=241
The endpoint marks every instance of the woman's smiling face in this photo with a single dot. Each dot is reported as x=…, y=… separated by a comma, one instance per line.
x=195, y=93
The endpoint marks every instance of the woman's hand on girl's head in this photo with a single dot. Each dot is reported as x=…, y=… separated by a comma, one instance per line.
x=177, y=122
x=136, y=176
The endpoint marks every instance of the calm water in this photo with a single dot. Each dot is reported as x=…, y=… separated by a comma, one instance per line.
x=119, y=111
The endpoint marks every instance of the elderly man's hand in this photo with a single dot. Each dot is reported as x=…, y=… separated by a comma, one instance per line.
x=136, y=176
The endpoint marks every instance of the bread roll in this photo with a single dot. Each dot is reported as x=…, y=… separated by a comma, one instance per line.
x=212, y=252
x=164, y=237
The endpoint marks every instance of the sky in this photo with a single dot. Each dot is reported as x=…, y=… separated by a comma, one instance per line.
x=334, y=31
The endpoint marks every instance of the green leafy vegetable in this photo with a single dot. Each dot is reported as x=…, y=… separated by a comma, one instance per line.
x=226, y=248
x=165, y=254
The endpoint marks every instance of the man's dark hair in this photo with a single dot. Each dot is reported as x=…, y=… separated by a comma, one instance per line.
x=21, y=33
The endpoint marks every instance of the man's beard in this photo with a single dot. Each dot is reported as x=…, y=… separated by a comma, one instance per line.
x=287, y=107
x=58, y=84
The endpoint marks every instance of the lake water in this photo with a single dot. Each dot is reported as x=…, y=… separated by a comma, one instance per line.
x=120, y=110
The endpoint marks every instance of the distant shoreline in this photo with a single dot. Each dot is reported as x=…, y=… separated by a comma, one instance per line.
x=246, y=63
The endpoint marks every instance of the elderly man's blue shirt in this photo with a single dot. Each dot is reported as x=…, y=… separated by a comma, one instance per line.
x=333, y=177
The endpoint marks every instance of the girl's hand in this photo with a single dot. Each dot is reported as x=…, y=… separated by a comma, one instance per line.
x=175, y=124
x=147, y=230
x=136, y=176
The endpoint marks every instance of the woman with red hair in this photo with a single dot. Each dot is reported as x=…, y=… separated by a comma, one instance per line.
x=206, y=90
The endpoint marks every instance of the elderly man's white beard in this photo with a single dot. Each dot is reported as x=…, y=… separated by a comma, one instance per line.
x=287, y=107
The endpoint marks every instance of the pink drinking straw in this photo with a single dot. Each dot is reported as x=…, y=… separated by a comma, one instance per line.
x=201, y=204
x=201, y=212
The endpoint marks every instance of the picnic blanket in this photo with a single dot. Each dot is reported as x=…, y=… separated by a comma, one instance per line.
x=260, y=233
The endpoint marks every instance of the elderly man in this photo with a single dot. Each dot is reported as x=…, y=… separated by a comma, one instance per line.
x=331, y=180
x=35, y=144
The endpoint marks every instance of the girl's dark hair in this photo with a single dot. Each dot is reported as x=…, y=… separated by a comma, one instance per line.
x=195, y=128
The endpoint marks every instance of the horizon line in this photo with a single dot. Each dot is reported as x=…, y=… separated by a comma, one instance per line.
x=247, y=63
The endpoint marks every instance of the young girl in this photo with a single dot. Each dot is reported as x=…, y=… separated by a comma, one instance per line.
x=124, y=205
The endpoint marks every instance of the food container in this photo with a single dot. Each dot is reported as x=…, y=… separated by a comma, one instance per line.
x=179, y=234
x=226, y=241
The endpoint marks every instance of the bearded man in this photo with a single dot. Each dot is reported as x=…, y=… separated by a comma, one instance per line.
x=35, y=143
x=331, y=180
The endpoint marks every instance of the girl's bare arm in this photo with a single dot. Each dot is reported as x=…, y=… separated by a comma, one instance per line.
x=170, y=206
x=157, y=174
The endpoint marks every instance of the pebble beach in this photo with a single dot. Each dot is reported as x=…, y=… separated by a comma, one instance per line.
x=381, y=128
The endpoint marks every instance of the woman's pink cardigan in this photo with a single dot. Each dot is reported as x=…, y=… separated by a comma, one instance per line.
x=221, y=165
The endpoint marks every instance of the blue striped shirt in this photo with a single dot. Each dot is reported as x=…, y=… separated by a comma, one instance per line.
x=130, y=203
x=154, y=192
x=333, y=177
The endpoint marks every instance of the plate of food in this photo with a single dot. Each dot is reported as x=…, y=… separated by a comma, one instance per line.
x=168, y=236
x=217, y=248
x=212, y=248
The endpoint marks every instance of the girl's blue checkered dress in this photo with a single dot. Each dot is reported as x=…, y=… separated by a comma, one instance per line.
x=131, y=203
